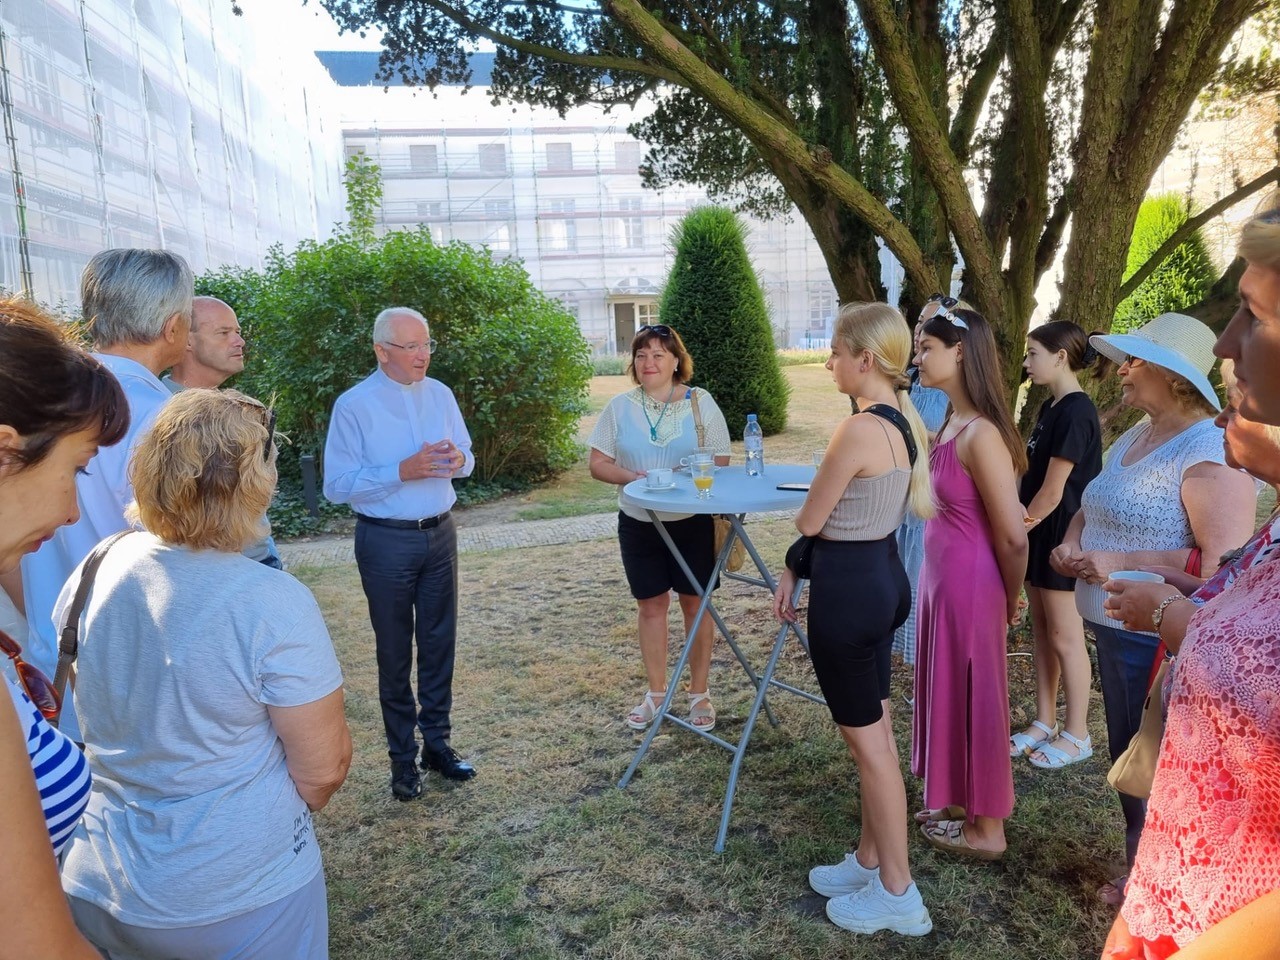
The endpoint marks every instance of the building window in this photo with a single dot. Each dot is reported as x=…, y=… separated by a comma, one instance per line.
x=646, y=313
x=493, y=158
x=570, y=304
x=497, y=208
x=822, y=309
x=559, y=156
x=498, y=236
x=632, y=234
x=429, y=209
x=560, y=232
x=423, y=158
x=353, y=150
x=626, y=156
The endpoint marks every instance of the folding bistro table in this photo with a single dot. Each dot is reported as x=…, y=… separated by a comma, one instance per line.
x=734, y=495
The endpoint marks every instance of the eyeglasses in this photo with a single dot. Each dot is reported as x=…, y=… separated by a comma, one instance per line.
x=429, y=346
x=943, y=299
x=1133, y=362
x=35, y=684
x=658, y=329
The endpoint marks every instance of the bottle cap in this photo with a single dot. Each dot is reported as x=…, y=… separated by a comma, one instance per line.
x=751, y=416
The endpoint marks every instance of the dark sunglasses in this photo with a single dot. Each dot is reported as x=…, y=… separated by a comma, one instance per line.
x=945, y=304
x=659, y=329
x=943, y=299
x=38, y=688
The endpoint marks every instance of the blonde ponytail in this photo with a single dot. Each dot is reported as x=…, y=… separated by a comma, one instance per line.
x=920, y=490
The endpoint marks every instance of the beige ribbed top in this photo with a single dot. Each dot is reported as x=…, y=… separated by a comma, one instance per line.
x=870, y=508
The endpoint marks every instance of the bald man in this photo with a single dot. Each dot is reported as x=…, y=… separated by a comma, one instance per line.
x=215, y=354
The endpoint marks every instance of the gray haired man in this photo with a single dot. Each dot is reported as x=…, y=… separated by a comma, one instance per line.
x=137, y=310
x=396, y=441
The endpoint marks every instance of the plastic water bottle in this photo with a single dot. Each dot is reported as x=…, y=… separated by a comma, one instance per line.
x=753, y=440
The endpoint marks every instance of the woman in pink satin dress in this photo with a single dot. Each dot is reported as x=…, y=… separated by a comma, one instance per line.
x=975, y=557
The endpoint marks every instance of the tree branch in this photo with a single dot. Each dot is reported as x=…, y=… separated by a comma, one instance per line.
x=777, y=144
x=592, y=61
x=1191, y=226
x=930, y=139
x=1047, y=248
x=975, y=94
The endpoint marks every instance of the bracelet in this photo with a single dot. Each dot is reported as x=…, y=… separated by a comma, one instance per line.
x=1157, y=615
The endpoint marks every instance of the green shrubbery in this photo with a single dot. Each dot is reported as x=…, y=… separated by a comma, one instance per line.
x=514, y=358
x=1181, y=281
x=713, y=298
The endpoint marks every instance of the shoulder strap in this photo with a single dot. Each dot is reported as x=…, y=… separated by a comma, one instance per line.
x=69, y=642
x=886, y=412
x=697, y=417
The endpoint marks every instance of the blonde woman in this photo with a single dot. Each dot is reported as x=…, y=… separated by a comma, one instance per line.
x=211, y=704
x=875, y=471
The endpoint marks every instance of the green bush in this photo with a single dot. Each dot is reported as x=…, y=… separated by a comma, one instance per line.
x=514, y=358
x=713, y=298
x=609, y=365
x=795, y=356
x=1181, y=281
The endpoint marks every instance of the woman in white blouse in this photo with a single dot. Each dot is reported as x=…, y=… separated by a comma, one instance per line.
x=1163, y=490
x=644, y=429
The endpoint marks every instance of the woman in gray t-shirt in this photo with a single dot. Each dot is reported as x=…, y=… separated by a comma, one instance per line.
x=211, y=704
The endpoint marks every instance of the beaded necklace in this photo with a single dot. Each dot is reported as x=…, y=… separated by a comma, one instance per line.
x=644, y=408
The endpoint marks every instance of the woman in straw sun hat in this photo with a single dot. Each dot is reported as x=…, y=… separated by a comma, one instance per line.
x=1164, y=490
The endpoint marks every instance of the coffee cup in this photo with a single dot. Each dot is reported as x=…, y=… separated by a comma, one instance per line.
x=1141, y=576
x=701, y=455
x=658, y=477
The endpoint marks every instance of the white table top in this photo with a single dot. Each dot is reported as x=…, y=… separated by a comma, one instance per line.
x=733, y=491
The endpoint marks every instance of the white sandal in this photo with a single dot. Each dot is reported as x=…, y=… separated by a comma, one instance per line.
x=1023, y=744
x=1057, y=757
x=706, y=712
x=642, y=716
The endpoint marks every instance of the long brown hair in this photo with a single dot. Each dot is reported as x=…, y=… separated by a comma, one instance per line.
x=980, y=373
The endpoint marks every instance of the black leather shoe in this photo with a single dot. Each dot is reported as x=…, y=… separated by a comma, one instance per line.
x=447, y=763
x=406, y=783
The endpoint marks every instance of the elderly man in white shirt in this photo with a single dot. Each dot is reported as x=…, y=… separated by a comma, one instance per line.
x=395, y=442
x=137, y=310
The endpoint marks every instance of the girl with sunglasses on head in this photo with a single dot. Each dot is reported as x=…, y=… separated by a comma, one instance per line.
x=57, y=406
x=652, y=427
x=975, y=559
x=1064, y=453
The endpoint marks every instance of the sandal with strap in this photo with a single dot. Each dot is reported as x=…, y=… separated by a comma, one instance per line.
x=948, y=836
x=1024, y=743
x=1057, y=758
x=702, y=715
x=642, y=716
x=949, y=812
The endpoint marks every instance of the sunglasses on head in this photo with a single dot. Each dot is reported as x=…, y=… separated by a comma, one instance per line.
x=658, y=329
x=945, y=304
x=38, y=687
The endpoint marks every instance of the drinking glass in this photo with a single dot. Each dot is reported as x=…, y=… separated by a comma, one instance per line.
x=704, y=475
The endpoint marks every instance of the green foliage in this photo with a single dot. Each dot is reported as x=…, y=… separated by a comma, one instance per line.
x=1181, y=281
x=713, y=298
x=609, y=365
x=514, y=358
x=363, y=180
x=797, y=357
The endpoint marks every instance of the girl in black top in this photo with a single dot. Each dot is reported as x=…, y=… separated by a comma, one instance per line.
x=1064, y=453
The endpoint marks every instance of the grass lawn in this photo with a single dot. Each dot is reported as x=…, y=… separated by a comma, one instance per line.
x=814, y=410
x=541, y=856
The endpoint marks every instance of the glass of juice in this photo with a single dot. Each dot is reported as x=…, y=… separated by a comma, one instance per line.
x=704, y=475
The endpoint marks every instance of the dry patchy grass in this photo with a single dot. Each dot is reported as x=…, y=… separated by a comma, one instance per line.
x=542, y=856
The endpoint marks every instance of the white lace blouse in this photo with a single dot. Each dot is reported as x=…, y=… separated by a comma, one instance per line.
x=1139, y=507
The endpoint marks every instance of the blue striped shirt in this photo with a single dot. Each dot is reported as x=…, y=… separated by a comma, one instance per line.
x=62, y=773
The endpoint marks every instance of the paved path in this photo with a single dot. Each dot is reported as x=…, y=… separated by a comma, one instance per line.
x=337, y=551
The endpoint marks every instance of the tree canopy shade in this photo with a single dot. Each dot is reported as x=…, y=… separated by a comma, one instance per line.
x=877, y=118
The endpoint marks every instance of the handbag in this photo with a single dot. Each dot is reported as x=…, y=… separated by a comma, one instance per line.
x=800, y=557
x=69, y=641
x=1135, y=770
x=720, y=523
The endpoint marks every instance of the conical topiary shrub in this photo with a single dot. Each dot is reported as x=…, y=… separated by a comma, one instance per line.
x=713, y=299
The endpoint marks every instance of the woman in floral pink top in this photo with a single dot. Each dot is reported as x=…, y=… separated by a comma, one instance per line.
x=1206, y=882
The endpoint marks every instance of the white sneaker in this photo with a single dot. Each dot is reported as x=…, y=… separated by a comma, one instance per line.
x=874, y=908
x=841, y=878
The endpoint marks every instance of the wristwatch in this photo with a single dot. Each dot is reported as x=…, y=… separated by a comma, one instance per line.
x=1157, y=615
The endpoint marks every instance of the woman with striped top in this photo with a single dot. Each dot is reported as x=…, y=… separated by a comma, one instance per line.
x=57, y=406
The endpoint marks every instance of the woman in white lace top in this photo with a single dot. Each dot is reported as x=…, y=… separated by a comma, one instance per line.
x=645, y=429
x=1163, y=490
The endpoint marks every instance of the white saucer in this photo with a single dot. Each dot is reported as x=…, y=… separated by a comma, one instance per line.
x=661, y=489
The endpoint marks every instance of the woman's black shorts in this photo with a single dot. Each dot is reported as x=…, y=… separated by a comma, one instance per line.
x=651, y=569
x=859, y=595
